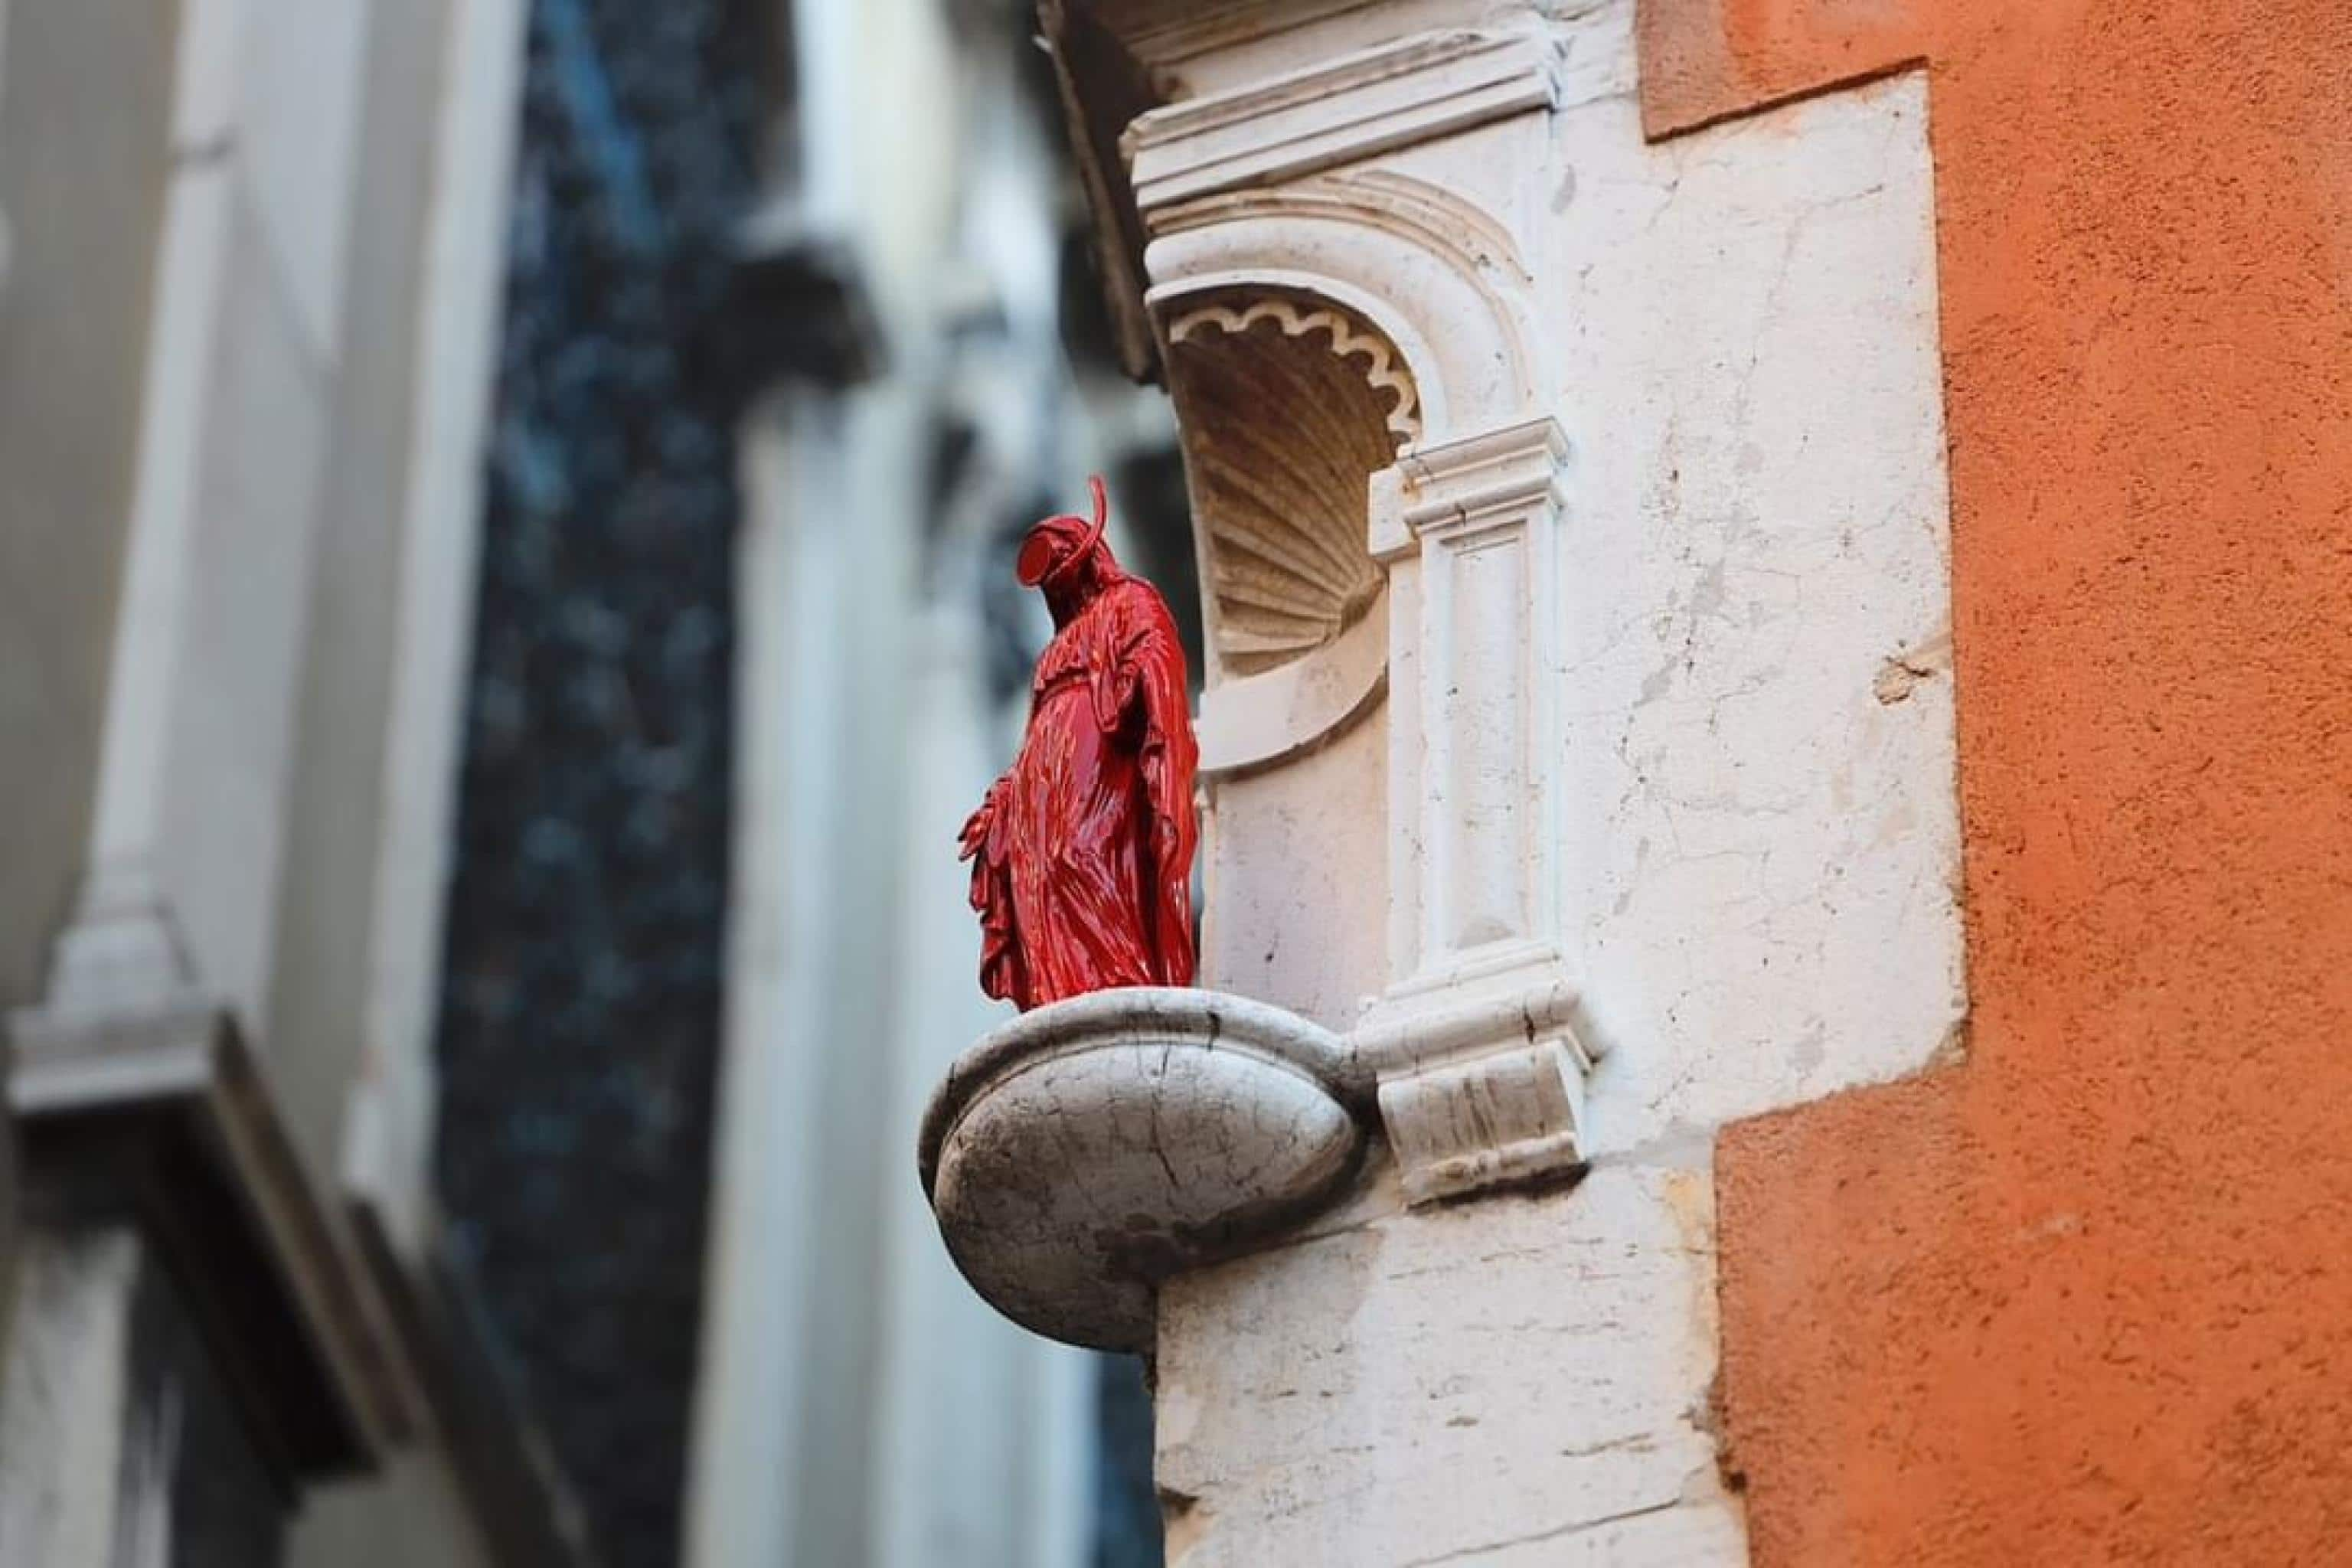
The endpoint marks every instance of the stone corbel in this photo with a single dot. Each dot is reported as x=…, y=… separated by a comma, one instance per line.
x=1480, y=1072
x=1482, y=1092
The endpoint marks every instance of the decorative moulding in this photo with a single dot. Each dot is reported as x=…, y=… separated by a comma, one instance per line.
x=1507, y=473
x=1470, y=533
x=1480, y=1072
x=1339, y=111
x=1478, y=1091
x=1295, y=320
x=1090, y=1148
x=160, y=1118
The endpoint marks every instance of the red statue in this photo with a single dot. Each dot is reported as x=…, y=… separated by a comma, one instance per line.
x=1082, y=853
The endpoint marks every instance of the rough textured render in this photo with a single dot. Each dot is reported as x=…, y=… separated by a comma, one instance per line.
x=2083, y=1297
x=1750, y=812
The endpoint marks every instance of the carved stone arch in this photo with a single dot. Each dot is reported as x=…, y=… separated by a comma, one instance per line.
x=1314, y=332
x=1428, y=269
x=1289, y=401
x=1372, y=189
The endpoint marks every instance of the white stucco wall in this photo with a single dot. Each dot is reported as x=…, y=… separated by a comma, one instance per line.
x=1755, y=848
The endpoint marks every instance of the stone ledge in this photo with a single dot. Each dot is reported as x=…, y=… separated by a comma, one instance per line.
x=162, y=1119
x=1392, y=95
x=1088, y=1149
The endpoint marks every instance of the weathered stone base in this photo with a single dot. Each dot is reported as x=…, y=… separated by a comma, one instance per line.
x=1522, y=1380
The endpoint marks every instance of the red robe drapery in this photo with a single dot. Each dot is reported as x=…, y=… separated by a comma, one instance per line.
x=1083, y=851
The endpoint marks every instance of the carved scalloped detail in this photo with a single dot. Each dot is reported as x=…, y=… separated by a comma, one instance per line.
x=1288, y=407
x=1465, y=329
x=1348, y=341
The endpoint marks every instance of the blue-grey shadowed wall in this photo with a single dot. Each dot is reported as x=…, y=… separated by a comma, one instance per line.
x=579, y=1038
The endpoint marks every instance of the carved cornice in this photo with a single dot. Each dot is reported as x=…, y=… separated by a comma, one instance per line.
x=1164, y=32
x=1503, y=472
x=1338, y=112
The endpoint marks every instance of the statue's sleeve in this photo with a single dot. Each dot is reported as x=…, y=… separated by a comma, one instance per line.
x=1169, y=758
x=1002, y=973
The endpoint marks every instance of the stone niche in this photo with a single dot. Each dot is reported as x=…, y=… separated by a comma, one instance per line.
x=1377, y=489
x=1083, y=1153
x=1289, y=404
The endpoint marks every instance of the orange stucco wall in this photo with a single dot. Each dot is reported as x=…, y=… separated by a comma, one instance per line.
x=2086, y=1297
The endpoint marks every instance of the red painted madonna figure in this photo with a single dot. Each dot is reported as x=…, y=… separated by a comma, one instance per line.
x=1082, y=853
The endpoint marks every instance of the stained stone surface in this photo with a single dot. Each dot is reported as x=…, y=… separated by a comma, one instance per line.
x=1088, y=1149
x=127, y=1444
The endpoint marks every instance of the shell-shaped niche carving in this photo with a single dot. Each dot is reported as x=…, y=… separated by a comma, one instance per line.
x=1288, y=404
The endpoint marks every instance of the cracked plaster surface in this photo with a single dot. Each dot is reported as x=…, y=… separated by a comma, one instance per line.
x=1761, y=846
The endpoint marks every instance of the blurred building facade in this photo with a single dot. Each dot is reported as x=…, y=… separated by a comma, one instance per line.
x=257, y=252
x=495, y=492
x=1768, y=580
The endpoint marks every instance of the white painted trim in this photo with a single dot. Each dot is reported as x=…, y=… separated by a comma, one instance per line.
x=388, y=1138
x=191, y=274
